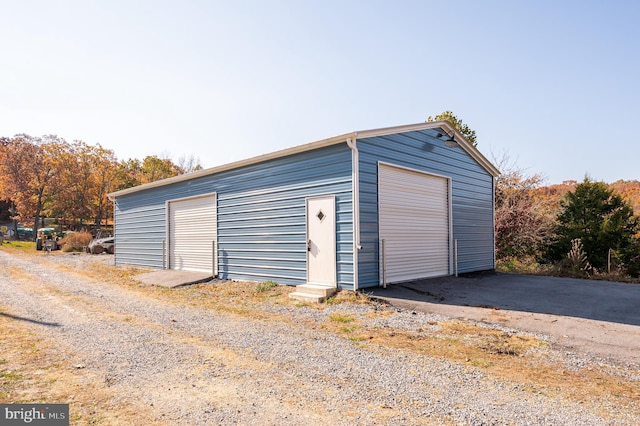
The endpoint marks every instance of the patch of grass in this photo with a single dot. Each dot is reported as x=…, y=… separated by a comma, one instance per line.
x=526, y=265
x=9, y=376
x=492, y=341
x=348, y=297
x=19, y=246
x=501, y=346
x=341, y=318
x=266, y=286
x=531, y=267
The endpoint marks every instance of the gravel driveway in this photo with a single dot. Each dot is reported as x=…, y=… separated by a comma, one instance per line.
x=194, y=366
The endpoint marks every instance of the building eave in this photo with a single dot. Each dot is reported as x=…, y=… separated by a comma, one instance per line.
x=445, y=126
x=235, y=165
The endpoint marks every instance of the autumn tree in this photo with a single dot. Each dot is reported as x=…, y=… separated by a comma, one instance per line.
x=6, y=188
x=155, y=168
x=601, y=220
x=128, y=174
x=630, y=192
x=188, y=164
x=105, y=169
x=523, y=223
x=71, y=200
x=88, y=177
x=133, y=172
x=457, y=123
x=5, y=204
x=48, y=176
x=28, y=175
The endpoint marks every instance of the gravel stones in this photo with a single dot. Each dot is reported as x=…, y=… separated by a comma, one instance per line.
x=193, y=366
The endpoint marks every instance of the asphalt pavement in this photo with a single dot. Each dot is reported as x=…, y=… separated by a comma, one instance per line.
x=601, y=317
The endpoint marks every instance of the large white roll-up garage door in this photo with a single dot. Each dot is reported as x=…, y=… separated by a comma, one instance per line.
x=192, y=233
x=414, y=224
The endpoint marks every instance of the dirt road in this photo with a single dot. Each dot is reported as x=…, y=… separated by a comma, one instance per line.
x=156, y=362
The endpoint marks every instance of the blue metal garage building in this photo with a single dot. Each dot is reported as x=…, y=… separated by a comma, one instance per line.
x=353, y=211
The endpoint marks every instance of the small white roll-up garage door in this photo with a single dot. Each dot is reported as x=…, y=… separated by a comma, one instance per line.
x=192, y=233
x=414, y=224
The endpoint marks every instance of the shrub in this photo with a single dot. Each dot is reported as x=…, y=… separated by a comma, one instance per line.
x=577, y=260
x=520, y=265
x=75, y=241
x=603, y=222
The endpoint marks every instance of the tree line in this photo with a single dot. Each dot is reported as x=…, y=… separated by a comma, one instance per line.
x=582, y=229
x=50, y=177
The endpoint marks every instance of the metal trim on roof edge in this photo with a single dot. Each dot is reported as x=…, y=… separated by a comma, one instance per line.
x=464, y=144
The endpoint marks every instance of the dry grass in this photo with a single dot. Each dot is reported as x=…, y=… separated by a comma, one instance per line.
x=33, y=371
x=518, y=358
x=515, y=357
x=349, y=297
x=509, y=356
x=75, y=241
x=529, y=266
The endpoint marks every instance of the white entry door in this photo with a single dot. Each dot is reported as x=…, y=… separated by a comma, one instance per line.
x=321, y=241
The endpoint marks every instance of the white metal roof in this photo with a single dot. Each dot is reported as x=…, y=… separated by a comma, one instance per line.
x=445, y=126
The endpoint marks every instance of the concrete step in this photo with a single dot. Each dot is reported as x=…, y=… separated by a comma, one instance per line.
x=306, y=297
x=320, y=290
x=312, y=293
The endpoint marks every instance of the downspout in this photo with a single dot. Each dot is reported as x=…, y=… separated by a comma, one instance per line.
x=115, y=253
x=355, y=194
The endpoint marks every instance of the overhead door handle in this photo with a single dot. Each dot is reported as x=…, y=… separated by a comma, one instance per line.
x=309, y=245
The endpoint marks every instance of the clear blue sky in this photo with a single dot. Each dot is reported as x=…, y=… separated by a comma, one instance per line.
x=553, y=83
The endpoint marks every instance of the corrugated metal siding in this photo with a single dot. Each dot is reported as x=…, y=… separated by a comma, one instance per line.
x=140, y=229
x=472, y=197
x=261, y=216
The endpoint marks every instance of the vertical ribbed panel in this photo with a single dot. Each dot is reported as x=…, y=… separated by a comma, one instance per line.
x=414, y=223
x=261, y=220
x=261, y=209
x=140, y=229
x=192, y=233
x=471, y=197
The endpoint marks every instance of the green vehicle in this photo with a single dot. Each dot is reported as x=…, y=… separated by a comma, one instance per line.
x=25, y=234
